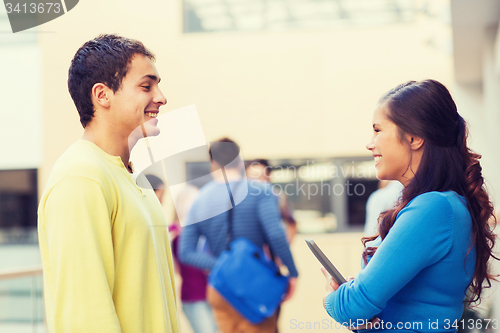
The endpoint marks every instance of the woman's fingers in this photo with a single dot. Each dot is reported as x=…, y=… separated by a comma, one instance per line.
x=331, y=285
x=325, y=273
x=369, y=325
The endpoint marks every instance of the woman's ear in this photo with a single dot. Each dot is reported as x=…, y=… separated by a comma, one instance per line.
x=415, y=142
x=100, y=95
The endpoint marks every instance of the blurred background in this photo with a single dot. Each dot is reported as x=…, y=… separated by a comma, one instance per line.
x=292, y=81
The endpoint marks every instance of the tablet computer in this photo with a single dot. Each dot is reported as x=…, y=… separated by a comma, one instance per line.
x=325, y=261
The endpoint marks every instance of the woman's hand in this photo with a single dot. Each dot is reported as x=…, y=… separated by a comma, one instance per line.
x=331, y=286
x=292, y=282
x=369, y=325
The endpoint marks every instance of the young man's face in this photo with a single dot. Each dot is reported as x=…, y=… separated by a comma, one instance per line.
x=137, y=100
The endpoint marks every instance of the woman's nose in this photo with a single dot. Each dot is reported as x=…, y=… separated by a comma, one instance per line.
x=370, y=145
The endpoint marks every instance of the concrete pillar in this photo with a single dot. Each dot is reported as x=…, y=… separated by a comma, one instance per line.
x=491, y=160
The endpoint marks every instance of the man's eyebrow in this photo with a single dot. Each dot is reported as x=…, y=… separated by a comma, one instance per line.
x=152, y=77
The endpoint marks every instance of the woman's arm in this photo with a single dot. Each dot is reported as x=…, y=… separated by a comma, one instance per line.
x=421, y=236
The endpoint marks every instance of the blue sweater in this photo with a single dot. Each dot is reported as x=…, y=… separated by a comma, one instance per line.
x=417, y=279
x=256, y=218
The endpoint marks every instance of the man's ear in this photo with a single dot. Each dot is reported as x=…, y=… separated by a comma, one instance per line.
x=416, y=142
x=101, y=95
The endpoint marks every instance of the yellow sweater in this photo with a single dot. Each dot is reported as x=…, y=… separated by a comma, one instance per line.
x=104, y=245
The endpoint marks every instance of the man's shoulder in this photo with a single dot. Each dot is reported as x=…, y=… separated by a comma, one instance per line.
x=247, y=193
x=263, y=192
x=80, y=160
x=254, y=188
x=210, y=188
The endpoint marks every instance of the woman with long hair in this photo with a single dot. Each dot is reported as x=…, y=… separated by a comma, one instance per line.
x=434, y=245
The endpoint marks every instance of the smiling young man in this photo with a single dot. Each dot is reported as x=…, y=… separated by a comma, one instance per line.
x=103, y=239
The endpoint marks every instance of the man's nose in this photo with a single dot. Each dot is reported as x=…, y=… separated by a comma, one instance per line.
x=160, y=98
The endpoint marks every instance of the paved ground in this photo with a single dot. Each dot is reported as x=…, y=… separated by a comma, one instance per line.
x=305, y=312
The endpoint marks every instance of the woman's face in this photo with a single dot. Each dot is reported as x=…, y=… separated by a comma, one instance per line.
x=392, y=156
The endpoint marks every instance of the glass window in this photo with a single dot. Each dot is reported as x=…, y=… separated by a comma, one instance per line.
x=262, y=15
x=18, y=206
x=325, y=195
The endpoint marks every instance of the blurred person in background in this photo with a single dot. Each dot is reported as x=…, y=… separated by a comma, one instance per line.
x=256, y=218
x=194, y=280
x=384, y=198
x=157, y=185
x=435, y=244
x=106, y=268
x=259, y=169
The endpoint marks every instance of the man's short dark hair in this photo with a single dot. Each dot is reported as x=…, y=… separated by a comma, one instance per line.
x=155, y=182
x=224, y=153
x=104, y=59
x=260, y=161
